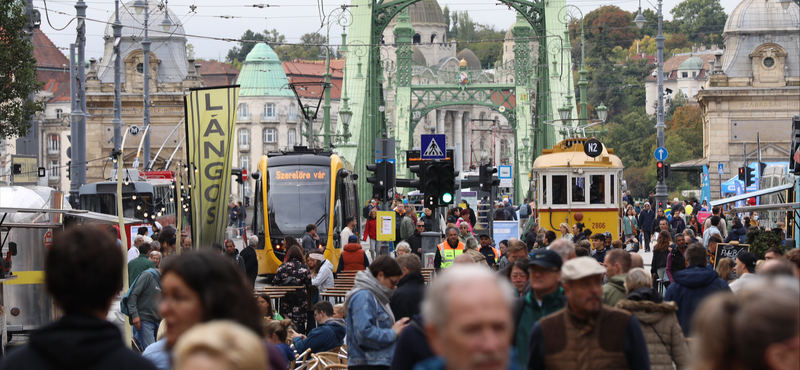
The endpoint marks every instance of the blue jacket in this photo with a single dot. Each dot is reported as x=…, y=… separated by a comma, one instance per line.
x=322, y=338
x=370, y=337
x=739, y=234
x=646, y=219
x=690, y=287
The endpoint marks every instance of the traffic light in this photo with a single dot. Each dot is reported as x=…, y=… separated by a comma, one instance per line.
x=667, y=171
x=750, y=177
x=16, y=169
x=486, y=178
x=69, y=170
x=238, y=173
x=794, y=156
x=742, y=174
x=418, y=183
x=660, y=171
x=430, y=184
x=761, y=167
x=447, y=182
x=378, y=181
x=390, y=178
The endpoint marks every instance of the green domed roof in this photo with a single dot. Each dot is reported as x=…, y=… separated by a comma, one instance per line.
x=693, y=63
x=262, y=74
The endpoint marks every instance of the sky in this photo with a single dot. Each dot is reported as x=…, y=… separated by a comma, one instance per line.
x=292, y=18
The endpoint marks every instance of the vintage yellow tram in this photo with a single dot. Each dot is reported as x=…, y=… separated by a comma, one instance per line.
x=571, y=187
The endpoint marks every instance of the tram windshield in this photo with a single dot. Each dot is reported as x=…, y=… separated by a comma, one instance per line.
x=296, y=197
x=107, y=203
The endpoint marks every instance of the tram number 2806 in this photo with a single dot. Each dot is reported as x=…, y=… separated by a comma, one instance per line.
x=598, y=225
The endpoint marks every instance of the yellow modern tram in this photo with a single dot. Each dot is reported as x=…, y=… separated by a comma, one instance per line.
x=295, y=189
x=571, y=187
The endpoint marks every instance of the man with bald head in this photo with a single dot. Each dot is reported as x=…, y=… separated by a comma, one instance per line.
x=636, y=260
x=468, y=331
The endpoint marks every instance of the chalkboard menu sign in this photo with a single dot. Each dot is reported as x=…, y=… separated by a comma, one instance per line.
x=731, y=251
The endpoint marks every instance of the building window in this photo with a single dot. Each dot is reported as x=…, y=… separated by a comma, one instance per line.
x=244, y=162
x=269, y=110
x=59, y=113
x=292, y=137
x=243, y=111
x=684, y=74
x=52, y=143
x=433, y=38
x=417, y=39
x=694, y=74
x=270, y=135
x=244, y=137
x=54, y=169
x=293, y=113
x=769, y=62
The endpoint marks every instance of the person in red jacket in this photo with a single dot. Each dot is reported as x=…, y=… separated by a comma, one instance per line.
x=370, y=229
x=353, y=256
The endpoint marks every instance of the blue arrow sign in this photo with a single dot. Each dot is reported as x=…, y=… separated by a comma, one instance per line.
x=661, y=154
x=433, y=146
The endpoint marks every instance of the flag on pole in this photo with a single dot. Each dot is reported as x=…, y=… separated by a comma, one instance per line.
x=210, y=124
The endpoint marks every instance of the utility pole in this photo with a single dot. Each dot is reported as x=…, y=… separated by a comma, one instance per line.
x=117, y=120
x=79, y=146
x=74, y=185
x=146, y=115
x=33, y=135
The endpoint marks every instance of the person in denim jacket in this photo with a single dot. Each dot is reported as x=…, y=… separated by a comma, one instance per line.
x=371, y=328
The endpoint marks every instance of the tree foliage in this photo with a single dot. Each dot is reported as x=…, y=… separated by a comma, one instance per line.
x=700, y=20
x=308, y=48
x=239, y=53
x=17, y=72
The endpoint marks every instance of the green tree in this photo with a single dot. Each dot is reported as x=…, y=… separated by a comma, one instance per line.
x=446, y=14
x=700, y=19
x=308, y=49
x=239, y=53
x=605, y=28
x=17, y=72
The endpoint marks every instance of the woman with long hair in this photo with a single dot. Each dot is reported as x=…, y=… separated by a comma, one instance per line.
x=371, y=328
x=630, y=226
x=289, y=241
x=660, y=253
x=276, y=332
x=695, y=224
x=756, y=329
x=264, y=303
x=370, y=230
x=294, y=272
x=518, y=275
x=725, y=270
x=662, y=331
x=565, y=234
x=200, y=287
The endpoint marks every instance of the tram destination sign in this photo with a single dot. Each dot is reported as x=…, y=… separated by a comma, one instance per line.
x=593, y=148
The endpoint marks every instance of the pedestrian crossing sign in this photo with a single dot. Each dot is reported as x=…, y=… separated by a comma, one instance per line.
x=433, y=146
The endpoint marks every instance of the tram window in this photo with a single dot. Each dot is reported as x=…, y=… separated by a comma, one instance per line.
x=560, y=189
x=597, y=189
x=613, y=188
x=544, y=190
x=579, y=189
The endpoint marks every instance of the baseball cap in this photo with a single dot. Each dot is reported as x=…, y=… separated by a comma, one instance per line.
x=749, y=261
x=352, y=239
x=484, y=236
x=546, y=258
x=581, y=267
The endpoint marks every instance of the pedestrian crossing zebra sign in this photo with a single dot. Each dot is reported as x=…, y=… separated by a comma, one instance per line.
x=433, y=146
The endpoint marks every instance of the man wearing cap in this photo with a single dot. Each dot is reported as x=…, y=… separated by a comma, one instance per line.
x=600, y=250
x=646, y=217
x=745, y=270
x=488, y=251
x=353, y=257
x=587, y=334
x=618, y=263
x=692, y=285
x=545, y=297
x=448, y=250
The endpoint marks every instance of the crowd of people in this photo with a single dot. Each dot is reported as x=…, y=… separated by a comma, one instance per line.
x=550, y=299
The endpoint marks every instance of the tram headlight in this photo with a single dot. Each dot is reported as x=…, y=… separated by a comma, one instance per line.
x=145, y=214
x=133, y=197
x=138, y=208
x=159, y=214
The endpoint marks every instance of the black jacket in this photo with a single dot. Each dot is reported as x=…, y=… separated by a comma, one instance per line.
x=250, y=263
x=76, y=342
x=530, y=239
x=415, y=242
x=408, y=295
x=412, y=346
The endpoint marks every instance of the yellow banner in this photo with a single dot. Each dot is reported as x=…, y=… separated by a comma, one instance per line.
x=210, y=126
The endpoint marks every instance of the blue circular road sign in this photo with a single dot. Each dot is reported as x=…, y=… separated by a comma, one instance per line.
x=661, y=154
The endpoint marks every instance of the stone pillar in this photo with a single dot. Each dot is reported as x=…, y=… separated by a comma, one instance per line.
x=440, y=114
x=458, y=125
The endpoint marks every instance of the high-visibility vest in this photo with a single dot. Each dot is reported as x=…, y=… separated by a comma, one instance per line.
x=449, y=254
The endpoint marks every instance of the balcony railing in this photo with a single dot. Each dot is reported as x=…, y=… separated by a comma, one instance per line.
x=243, y=118
x=293, y=117
x=244, y=147
x=272, y=118
x=53, y=151
x=53, y=176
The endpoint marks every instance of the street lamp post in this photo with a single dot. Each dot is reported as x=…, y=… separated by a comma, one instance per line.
x=342, y=20
x=661, y=186
x=567, y=18
x=117, y=120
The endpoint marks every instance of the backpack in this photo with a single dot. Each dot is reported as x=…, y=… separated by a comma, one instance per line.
x=365, y=212
x=524, y=210
x=123, y=304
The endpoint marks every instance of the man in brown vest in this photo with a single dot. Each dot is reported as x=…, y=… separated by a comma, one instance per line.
x=587, y=334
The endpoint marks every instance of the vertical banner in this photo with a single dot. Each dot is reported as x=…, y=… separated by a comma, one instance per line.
x=705, y=193
x=210, y=126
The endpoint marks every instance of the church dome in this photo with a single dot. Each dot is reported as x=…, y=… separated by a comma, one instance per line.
x=762, y=16
x=693, y=63
x=427, y=12
x=417, y=57
x=473, y=62
x=133, y=23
